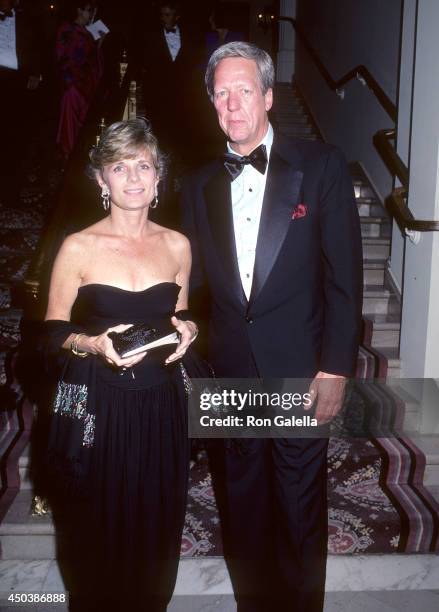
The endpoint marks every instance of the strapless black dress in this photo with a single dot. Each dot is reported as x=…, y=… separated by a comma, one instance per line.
x=140, y=460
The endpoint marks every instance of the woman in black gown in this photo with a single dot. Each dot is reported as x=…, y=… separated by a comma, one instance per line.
x=119, y=425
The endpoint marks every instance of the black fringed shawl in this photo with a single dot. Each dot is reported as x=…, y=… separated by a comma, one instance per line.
x=73, y=411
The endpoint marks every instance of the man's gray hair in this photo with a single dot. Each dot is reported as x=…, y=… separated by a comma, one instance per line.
x=264, y=63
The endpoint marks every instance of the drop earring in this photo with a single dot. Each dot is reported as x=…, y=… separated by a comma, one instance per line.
x=155, y=201
x=105, y=195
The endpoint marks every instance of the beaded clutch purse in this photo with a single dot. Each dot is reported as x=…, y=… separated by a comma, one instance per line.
x=140, y=337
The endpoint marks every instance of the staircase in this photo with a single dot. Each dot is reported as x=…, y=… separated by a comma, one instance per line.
x=28, y=539
x=381, y=304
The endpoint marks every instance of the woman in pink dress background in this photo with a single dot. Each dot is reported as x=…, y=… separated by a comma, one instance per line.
x=80, y=67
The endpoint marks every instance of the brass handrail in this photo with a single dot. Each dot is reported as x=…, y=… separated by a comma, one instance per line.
x=396, y=202
x=359, y=71
x=397, y=207
x=389, y=155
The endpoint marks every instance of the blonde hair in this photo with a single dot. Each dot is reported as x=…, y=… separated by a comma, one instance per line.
x=124, y=140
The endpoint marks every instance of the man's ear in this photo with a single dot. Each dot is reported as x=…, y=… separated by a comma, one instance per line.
x=268, y=99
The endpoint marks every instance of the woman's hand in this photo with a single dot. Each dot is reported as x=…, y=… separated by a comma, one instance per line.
x=103, y=346
x=188, y=332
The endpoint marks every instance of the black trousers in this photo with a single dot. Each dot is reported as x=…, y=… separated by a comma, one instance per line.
x=273, y=508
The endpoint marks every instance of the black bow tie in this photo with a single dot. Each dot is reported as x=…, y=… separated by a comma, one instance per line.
x=6, y=14
x=235, y=163
x=169, y=30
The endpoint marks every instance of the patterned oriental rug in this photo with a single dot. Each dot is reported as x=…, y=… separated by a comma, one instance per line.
x=377, y=502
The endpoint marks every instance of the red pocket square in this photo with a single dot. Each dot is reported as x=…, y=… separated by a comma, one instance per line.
x=299, y=211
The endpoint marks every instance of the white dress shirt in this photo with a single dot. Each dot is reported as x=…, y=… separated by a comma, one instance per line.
x=173, y=40
x=8, y=50
x=247, y=198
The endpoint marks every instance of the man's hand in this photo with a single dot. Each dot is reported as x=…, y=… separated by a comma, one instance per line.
x=188, y=332
x=328, y=390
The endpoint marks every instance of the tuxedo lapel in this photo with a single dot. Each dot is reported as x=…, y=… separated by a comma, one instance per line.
x=217, y=194
x=282, y=191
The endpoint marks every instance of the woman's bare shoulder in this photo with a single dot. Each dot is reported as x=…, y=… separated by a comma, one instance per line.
x=78, y=244
x=175, y=240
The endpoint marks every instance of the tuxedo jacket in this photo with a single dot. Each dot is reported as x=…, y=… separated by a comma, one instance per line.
x=304, y=311
x=164, y=76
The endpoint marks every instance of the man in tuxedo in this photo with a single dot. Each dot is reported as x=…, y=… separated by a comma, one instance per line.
x=168, y=66
x=19, y=80
x=276, y=240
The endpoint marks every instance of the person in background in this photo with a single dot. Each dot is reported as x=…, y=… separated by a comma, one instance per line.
x=79, y=69
x=168, y=67
x=221, y=30
x=20, y=75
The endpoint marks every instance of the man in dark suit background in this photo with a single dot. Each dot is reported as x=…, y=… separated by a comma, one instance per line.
x=168, y=67
x=20, y=73
x=278, y=247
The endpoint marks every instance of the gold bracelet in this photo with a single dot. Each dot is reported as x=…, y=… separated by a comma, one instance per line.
x=74, y=347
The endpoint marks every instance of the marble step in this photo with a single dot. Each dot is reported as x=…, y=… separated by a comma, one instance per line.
x=378, y=300
x=434, y=491
x=293, y=128
x=429, y=444
x=403, y=580
x=386, y=330
x=292, y=122
x=375, y=227
x=24, y=536
x=391, y=353
x=369, y=207
x=23, y=470
x=413, y=411
x=296, y=129
x=362, y=189
x=288, y=107
x=376, y=248
x=373, y=271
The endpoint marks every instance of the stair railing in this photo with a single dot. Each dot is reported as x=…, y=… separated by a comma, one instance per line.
x=396, y=203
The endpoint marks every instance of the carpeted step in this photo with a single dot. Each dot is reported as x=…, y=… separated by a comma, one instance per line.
x=391, y=354
x=10, y=327
x=15, y=218
x=18, y=240
x=13, y=268
x=3, y=354
x=365, y=512
x=5, y=296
